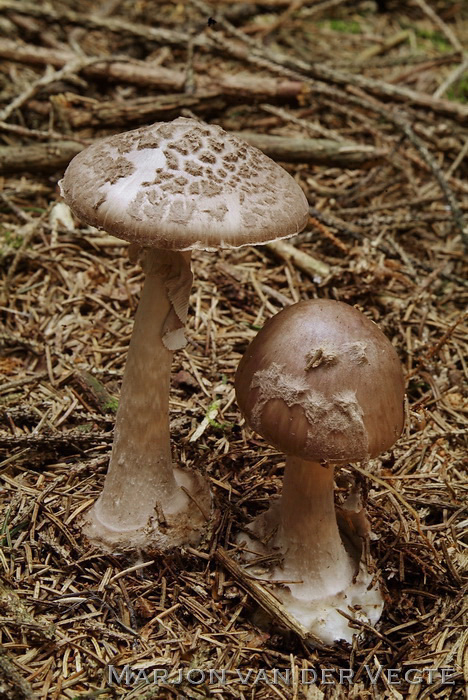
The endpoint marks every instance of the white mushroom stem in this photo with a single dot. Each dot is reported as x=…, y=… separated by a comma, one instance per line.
x=141, y=483
x=308, y=532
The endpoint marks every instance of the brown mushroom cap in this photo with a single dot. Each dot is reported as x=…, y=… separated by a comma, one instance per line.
x=184, y=185
x=321, y=381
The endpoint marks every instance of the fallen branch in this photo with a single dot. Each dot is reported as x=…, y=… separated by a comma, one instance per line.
x=379, y=88
x=376, y=49
x=266, y=600
x=452, y=78
x=50, y=157
x=250, y=51
x=303, y=261
x=121, y=69
x=95, y=393
x=83, y=19
x=444, y=28
x=55, y=441
x=342, y=154
x=39, y=157
x=141, y=110
x=282, y=67
x=135, y=72
x=68, y=70
x=12, y=684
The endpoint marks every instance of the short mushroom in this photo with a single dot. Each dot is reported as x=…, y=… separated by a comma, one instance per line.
x=323, y=384
x=169, y=188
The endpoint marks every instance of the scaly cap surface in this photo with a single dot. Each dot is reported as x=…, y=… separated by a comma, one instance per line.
x=183, y=185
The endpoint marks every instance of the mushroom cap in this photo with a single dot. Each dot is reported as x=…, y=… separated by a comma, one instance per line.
x=321, y=381
x=184, y=185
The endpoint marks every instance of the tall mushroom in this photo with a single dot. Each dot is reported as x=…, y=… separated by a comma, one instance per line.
x=169, y=188
x=323, y=384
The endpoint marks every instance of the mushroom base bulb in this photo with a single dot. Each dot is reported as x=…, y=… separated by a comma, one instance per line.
x=315, y=604
x=322, y=617
x=181, y=521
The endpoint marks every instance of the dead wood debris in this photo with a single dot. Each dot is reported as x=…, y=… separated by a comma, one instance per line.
x=388, y=217
x=51, y=157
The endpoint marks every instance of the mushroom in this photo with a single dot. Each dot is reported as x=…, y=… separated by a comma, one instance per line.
x=168, y=188
x=323, y=384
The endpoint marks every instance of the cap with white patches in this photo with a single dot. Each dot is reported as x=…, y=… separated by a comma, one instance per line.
x=184, y=185
x=322, y=382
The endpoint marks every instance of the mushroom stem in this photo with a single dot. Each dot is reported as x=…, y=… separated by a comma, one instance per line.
x=141, y=483
x=308, y=532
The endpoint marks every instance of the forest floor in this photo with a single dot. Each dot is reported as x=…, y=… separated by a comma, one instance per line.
x=387, y=88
